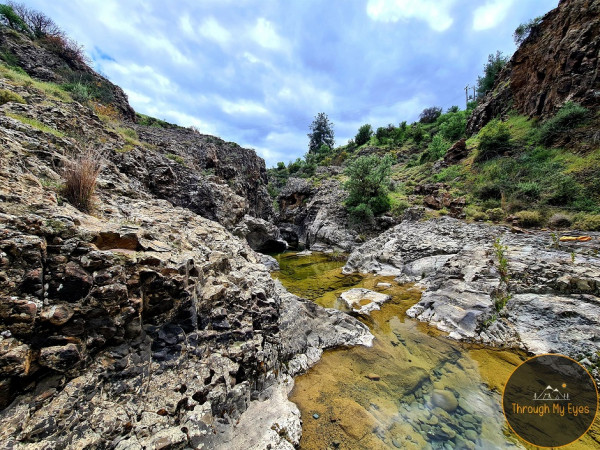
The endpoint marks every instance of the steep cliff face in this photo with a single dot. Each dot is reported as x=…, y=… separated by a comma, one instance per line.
x=558, y=62
x=142, y=324
x=216, y=179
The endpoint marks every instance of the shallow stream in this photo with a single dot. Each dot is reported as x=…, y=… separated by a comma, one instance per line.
x=414, y=388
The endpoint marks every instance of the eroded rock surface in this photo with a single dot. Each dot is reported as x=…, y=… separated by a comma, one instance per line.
x=363, y=301
x=554, y=288
x=315, y=217
x=144, y=324
x=558, y=62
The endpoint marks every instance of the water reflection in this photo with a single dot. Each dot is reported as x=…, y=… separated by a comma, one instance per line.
x=413, y=389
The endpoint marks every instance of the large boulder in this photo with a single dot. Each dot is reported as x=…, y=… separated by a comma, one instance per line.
x=262, y=236
x=553, y=291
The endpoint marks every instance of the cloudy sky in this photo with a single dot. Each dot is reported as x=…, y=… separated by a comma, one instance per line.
x=256, y=72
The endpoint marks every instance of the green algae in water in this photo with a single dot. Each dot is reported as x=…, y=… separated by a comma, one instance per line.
x=412, y=389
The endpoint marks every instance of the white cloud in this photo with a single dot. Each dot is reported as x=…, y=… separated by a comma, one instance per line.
x=242, y=107
x=213, y=30
x=187, y=120
x=251, y=58
x=300, y=92
x=135, y=98
x=491, y=14
x=185, y=23
x=265, y=35
x=435, y=12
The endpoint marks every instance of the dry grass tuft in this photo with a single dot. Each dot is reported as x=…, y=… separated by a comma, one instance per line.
x=81, y=175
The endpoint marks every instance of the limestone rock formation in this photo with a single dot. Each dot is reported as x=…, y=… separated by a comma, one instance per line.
x=554, y=303
x=363, y=301
x=558, y=62
x=143, y=324
x=314, y=217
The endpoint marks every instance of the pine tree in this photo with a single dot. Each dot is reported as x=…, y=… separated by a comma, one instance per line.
x=321, y=133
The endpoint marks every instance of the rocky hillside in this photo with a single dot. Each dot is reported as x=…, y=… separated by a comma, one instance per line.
x=199, y=172
x=527, y=154
x=141, y=321
x=558, y=62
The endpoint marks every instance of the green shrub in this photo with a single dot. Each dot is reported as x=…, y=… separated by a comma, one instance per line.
x=490, y=71
x=495, y=214
x=588, y=222
x=364, y=134
x=493, y=140
x=454, y=128
x=529, y=190
x=436, y=150
x=475, y=214
x=567, y=118
x=369, y=177
x=529, y=218
x=10, y=96
x=11, y=19
x=416, y=132
x=523, y=30
x=79, y=92
x=489, y=191
x=563, y=189
x=360, y=214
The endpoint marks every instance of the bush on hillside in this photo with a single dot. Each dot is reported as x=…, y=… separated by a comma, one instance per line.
x=524, y=30
x=588, y=222
x=429, y=115
x=416, y=132
x=454, y=128
x=81, y=174
x=10, y=18
x=495, y=214
x=567, y=118
x=493, y=140
x=491, y=69
x=369, y=178
x=436, y=150
x=529, y=218
x=66, y=48
x=364, y=134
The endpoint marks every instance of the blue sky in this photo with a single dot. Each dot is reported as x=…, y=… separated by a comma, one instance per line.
x=256, y=72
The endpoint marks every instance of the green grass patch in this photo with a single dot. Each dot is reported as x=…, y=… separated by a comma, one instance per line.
x=10, y=96
x=20, y=77
x=36, y=124
x=129, y=135
x=178, y=159
x=451, y=173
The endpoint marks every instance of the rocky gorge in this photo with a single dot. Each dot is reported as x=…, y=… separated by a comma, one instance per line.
x=147, y=323
x=157, y=319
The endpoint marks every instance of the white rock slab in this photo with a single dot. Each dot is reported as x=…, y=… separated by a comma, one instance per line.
x=363, y=301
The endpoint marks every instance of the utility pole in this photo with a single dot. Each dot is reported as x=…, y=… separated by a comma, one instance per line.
x=466, y=96
x=474, y=95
